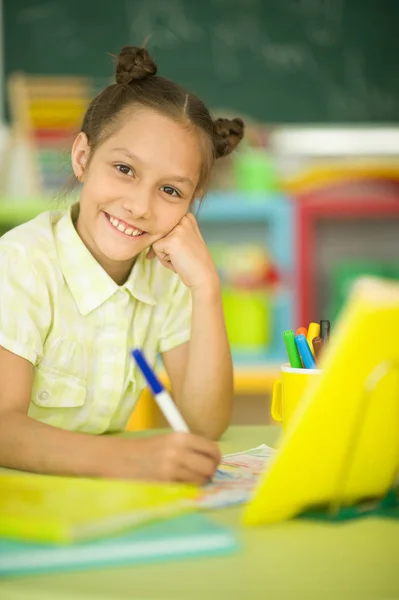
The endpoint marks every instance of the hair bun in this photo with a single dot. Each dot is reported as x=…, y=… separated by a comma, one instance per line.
x=228, y=133
x=134, y=63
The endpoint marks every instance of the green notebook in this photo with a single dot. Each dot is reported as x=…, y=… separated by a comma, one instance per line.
x=191, y=535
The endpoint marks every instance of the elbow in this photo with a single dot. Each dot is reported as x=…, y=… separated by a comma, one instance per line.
x=211, y=427
x=216, y=430
x=210, y=419
x=216, y=434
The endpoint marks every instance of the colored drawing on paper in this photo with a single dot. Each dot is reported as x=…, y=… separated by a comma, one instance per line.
x=236, y=477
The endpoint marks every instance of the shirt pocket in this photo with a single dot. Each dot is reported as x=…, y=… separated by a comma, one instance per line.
x=55, y=389
x=65, y=356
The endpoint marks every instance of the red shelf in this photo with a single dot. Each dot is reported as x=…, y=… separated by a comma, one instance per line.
x=321, y=205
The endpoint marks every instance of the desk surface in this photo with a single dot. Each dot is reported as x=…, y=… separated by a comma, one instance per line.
x=296, y=559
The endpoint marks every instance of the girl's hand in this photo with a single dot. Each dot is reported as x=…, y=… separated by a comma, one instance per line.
x=184, y=251
x=179, y=457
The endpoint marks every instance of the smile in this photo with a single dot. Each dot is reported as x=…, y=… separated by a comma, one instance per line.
x=123, y=227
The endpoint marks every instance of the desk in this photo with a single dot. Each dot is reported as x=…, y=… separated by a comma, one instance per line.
x=297, y=559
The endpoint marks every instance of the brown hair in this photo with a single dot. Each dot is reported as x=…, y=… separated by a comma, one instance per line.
x=138, y=85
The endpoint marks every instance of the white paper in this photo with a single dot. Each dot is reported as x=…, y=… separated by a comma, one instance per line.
x=236, y=477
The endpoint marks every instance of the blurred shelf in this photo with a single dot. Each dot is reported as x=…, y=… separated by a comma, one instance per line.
x=256, y=380
x=243, y=206
x=259, y=360
x=333, y=141
x=17, y=211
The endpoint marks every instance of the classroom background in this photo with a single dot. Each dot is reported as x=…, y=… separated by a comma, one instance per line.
x=308, y=203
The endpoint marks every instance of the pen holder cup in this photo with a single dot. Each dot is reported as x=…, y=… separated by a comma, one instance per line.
x=288, y=391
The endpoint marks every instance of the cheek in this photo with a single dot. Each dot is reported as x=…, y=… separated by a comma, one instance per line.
x=169, y=215
x=99, y=185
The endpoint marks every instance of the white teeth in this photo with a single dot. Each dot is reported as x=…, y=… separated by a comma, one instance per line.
x=122, y=228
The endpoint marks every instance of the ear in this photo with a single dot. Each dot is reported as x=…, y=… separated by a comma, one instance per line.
x=80, y=155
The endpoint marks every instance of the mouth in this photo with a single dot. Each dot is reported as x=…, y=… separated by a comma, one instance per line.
x=124, y=228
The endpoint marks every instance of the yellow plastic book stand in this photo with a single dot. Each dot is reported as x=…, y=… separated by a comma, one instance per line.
x=342, y=443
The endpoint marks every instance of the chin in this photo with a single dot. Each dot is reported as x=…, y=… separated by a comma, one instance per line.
x=115, y=254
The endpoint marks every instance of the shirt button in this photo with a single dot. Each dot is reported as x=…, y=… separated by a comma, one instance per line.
x=114, y=350
x=42, y=395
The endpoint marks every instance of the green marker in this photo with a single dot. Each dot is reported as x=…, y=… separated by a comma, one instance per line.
x=292, y=350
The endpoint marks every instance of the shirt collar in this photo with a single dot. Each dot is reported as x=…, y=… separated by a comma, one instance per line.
x=89, y=284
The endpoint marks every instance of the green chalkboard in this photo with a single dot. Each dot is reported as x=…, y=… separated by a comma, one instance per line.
x=289, y=61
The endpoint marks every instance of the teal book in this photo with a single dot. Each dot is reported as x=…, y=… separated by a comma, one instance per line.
x=190, y=535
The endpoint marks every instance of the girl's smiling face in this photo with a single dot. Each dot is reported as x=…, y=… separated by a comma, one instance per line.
x=137, y=186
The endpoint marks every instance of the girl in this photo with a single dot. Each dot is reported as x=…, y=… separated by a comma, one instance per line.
x=125, y=267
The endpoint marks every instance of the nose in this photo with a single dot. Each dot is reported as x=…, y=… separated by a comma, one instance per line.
x=139, y=202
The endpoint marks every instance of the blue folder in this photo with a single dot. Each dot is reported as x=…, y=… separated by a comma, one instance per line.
x=191, y=535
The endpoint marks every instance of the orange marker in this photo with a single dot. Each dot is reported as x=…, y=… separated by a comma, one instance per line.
x=313, y=331
x=302, y=330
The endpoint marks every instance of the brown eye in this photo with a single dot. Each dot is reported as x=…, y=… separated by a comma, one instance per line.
x=171, y=191
x=125, y=170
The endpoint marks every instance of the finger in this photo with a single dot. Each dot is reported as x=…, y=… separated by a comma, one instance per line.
x=164, y=258
x=161, y=251
x=191, y=218
x=185, y=474
x=189, y=221
x=201, y=465
x=203, y=446
x=167, y=264
x=194, y=223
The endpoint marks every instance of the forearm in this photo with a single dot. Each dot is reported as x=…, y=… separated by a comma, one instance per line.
x=29, y=445
x=207, y=390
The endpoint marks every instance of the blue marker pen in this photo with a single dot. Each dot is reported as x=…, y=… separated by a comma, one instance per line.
x=162, y=396
x=305, y=352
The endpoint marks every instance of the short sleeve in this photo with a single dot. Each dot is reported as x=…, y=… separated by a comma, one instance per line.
x=24, y=306
x=176, y=328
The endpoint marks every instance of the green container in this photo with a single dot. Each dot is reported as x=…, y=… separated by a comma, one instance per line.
x=254, y=171
x=392, y=271
x=248, y=319
x=343, y=277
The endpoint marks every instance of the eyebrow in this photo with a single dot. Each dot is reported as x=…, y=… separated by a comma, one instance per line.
x=178, y=178
x=181, y=179
x=127, y=153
